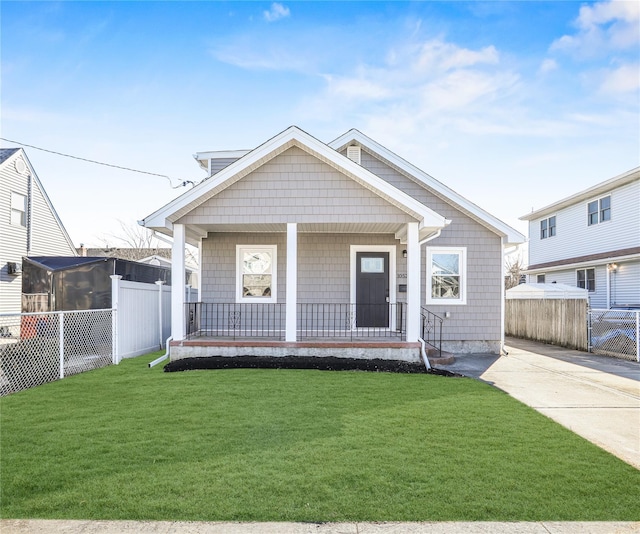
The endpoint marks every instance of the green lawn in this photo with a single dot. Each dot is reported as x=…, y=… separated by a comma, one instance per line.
x=127, y=442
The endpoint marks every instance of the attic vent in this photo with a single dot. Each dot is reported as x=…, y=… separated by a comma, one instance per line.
x=21, y=166
x=353, y=153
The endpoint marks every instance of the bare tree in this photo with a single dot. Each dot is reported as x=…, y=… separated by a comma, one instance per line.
x=514, y=268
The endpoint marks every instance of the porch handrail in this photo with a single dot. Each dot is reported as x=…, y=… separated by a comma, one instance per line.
x=314, y=320
x=431, y=329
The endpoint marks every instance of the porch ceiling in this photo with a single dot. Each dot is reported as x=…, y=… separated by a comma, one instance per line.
x=322, y=228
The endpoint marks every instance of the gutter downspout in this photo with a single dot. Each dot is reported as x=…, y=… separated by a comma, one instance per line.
x=164, y=356
x=423, y=351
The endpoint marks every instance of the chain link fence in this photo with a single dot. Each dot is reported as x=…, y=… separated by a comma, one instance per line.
x=36, y=348
x=615, y=333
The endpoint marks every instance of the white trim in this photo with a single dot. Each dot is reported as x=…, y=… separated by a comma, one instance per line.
x=293, y=136
x=413, y=283
x=581, y=264
x=391, y=249
x=462, y=253
x=273, y=250
x=512, y=235
x=178, y=327
x=598, y=190
x=503, y=272
x=292, y=283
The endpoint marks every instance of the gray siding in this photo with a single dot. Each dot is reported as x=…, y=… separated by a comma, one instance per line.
x=479, y=319
x=217, y=164
x=295, y=187
x=323, y=264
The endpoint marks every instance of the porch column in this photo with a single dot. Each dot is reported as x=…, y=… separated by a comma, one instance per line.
x=292, y=282
x=414, y=290
x=178, y=283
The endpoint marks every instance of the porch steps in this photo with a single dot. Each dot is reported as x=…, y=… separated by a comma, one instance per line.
x=445, y=358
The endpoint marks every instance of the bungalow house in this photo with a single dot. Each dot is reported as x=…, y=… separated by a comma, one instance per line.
x=29, y=225
x=307, y=248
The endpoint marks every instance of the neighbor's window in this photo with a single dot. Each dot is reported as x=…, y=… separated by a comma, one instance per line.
x=586, y=279
x=599, y=211
x=447, y=275
x=256, y=273
x=540, y=279
x=548, y=227
x=18, y=209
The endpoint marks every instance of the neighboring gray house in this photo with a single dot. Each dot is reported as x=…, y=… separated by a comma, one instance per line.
x=306, y=247
x=29, y=225
x=591, y=240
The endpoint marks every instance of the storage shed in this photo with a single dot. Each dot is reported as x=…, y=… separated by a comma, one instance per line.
x=56, y=283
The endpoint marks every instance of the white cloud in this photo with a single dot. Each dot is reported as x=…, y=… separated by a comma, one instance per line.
x=548, y=65
x=603, y=27
x=624, y=79
x=276, y=12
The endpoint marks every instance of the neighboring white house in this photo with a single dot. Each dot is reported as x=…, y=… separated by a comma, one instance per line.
x=311, y=240
x=29, y=225
x=591, y=240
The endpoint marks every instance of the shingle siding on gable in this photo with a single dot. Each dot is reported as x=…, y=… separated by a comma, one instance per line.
x=480, y=318
x=295, y=187
x=574, y=237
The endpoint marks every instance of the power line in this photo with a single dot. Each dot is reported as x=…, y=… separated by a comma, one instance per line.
x=182, y=184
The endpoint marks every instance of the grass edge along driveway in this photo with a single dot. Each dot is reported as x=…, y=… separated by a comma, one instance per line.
x=128, y=442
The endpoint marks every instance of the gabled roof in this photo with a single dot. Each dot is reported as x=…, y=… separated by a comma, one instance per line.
x=511, y=235
x=5, y=153
x=9, y=154
x=587, y=194
x=162, y=220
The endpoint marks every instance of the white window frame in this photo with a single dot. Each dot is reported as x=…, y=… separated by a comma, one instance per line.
x=598, y=213
x=19, y=208
x=462, y=262
x=273, y=249
x=586, y=278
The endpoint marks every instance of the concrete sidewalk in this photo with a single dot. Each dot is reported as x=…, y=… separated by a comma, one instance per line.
x=16, y=526
x=597, y=397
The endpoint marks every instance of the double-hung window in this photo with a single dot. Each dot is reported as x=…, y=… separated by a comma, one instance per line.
x=599, y=211
x=548, y=227
x=446, y=275
x=586, y=279
x=18, y=209
x=256, y=273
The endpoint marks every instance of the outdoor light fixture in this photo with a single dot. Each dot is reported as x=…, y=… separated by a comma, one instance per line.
x=404, y=253
x=613, y=267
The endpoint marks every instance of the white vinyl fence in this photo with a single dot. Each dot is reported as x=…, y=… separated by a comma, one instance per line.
x=615, y=333
x=36, y=348
x=143, y=316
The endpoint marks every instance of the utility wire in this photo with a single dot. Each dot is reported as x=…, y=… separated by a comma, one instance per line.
x=182, y=184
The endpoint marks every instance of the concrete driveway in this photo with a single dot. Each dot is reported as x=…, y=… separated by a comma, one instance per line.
x=597, y=397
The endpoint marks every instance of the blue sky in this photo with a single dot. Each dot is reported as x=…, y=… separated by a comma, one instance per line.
x=512, y=104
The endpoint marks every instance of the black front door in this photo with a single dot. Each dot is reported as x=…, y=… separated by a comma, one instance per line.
x=372, y=289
